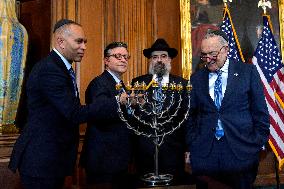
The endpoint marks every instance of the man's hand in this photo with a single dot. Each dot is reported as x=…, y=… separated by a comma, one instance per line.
x=123, y=98
x=132, y=99
x=187, y=162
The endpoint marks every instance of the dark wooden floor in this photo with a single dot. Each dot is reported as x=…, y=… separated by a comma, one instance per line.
x=8, y=180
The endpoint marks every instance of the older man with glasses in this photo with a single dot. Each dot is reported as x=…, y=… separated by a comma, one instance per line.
x=106, y=150
x=229, y=121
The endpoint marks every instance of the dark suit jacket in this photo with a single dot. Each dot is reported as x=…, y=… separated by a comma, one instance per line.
x=106, y=149
x=171, y=152
x=243, y=113
x=47, y=146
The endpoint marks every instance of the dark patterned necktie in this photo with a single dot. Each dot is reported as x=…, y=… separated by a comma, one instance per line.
x=159, y=95
x=73, y=76
x=218, y=99
x=123, y=87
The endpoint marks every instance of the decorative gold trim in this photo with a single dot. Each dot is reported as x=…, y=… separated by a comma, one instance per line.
x=281, y=22
x=8, y=129
x=186, y=51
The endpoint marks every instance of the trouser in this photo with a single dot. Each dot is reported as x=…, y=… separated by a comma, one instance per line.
x=223, y=166
x=29, y=182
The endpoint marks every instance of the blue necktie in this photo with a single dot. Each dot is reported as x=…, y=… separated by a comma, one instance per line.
x=218, y=99
x=123, y=88
x=159, y=95
x=73, y=76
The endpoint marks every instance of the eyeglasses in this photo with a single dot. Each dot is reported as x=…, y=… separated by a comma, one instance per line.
x=161, y=57
x=119, y=56
x=211, y=56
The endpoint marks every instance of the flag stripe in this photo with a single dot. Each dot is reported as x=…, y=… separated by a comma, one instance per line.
x=268, y=62
x=227, y=27
x=272, y=108
x=277, y=142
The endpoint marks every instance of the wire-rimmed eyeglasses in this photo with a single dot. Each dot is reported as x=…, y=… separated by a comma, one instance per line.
x=211, y=55
x=119, y=56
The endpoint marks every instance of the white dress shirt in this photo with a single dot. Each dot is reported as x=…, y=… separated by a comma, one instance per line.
x=165, y=80
x=213, y=77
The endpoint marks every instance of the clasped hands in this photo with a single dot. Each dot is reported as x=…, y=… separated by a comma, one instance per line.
x=131, y=99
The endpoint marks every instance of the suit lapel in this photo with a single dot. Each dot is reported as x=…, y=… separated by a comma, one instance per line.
x=231, y=81
x=204, y=81
x=148, y=78
x=59, y=62
x=110, y=82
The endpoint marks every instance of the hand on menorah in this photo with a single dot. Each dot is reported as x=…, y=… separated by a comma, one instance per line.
x=154, y=113
x=131, y=98
x=155, y=110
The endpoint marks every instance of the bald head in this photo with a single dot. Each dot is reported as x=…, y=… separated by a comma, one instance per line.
x=70, y=41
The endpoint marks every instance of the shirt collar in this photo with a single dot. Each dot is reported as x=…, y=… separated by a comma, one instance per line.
x=117, y=80
x=166, y=78
x=67, y=64
x=224, y=69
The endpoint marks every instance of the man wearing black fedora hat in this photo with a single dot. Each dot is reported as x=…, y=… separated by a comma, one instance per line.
x=171, y=152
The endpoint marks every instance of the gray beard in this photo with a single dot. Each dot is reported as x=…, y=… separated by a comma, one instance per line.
x=159, y=69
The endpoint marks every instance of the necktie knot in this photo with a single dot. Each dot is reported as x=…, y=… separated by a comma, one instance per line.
x=219, y=73
x=123, y=86
x=160, y=79
x=72, y=73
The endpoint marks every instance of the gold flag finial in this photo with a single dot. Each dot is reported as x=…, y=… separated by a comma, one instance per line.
x=263, y=4
x=226, y=1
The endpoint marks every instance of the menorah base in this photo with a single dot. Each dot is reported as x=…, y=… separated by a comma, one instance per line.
x=151, y=179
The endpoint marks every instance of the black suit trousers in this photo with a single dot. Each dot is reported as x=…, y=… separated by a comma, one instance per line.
x=223, y=166
x=29, y=182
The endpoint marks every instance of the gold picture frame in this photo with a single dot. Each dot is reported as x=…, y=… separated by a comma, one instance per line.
x=246, y=26
x=281, y=23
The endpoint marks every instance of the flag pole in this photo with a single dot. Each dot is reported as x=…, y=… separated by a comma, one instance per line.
x=264, y=4
x=227, y=12
x=276, y=172
x=279, y=100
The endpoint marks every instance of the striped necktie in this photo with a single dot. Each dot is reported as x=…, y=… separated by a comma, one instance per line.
x=123, y=86
x=217, y=100
x=159, y=95
x=73, y=76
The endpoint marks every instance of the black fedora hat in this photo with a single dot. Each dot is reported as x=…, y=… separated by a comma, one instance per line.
x=160, y=45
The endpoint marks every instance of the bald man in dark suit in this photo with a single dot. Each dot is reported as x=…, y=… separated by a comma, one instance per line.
x=46, y=149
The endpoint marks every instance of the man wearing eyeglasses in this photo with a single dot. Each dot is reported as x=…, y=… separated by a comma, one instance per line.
x=229, y=121
x=171, y=152
x=106, y=150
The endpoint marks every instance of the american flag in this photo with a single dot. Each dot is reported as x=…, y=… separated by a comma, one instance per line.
x=269, y=64
x=228, y=27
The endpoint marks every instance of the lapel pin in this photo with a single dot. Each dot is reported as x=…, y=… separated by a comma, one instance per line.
x=236, y=74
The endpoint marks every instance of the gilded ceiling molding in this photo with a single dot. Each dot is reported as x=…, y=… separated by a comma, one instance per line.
x=186, y=51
